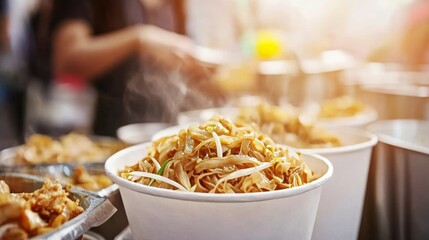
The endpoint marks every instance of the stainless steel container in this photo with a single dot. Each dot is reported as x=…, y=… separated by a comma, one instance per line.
x=397, y=196
x=7, y=156
x=287, y=85
x=92, y=236
x=393, y=90
x=398, y=101
x=60, y=171
x=377, y=73
x=301, y=81
x=279, y=81
x=96, y=209
x=126, y=234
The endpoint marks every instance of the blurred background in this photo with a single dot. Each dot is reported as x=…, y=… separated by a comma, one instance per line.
x=77, y=66
x=93, y=66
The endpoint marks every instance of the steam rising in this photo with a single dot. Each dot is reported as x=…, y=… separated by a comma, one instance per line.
x=155, y=95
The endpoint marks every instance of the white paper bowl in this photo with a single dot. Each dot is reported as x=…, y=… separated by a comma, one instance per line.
x=341, y=203
x=203, y=115
x=343, y=197
x=171, y=131
x=362, y=119
x=155, y=213
x=139, y=132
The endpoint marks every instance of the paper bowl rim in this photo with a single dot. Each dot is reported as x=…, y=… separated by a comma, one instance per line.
x=210, y=197
x=396, y=141
x=371, y=141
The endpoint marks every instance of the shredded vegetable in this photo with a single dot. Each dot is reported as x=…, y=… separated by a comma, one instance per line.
x=160, y=170
x=218, y=144
x=219, y=157
x=158, y=177
x=242, y=173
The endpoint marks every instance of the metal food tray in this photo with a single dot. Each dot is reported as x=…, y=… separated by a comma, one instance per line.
x=7, y=156
x=97, y=210
x=126, y=234
x=62, y=171
x=59, y=171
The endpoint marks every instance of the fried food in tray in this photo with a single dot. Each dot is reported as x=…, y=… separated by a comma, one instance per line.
x=92, y=182
x=71, y=148
x=90, y=177
x=25, y=215
x=285, y=128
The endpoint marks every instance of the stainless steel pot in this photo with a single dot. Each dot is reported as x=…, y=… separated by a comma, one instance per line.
x=397, y=101
x=392, y=89
x=299, y=81
x=396, y=198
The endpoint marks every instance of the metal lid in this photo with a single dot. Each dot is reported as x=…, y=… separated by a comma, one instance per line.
x=408, y=134
x=398, y=89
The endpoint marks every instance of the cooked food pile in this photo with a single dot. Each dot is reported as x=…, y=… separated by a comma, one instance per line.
x=92, y=182
x=69, y=148
x=219, y=157
x=285, y=128
x=344, y=106
x=25, y=215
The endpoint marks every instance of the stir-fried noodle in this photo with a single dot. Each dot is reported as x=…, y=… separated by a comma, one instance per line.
x=219, y=157
x=285, y=128
x=344, y=106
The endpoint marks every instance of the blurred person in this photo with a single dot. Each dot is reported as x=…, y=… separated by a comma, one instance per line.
x=413, y=41
x=12, y=83
x=105, y=42
x=408, y=42
x=4, y=41
x=87, y=44
x=5, y=132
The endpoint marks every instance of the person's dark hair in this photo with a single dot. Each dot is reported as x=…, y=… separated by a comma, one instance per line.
x=107, y=15
x=103, y=16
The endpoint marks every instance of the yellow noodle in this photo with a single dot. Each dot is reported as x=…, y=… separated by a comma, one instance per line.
x=250, y=161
